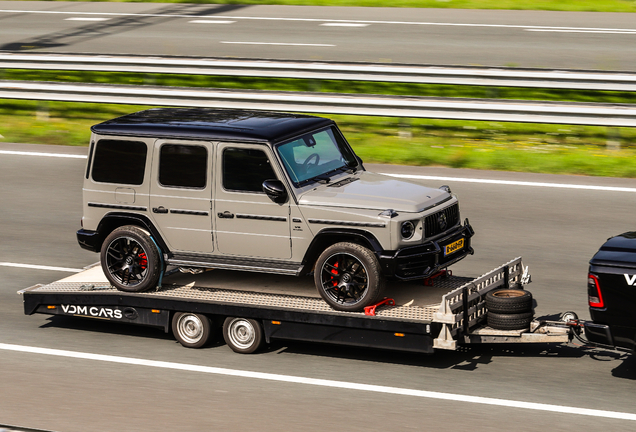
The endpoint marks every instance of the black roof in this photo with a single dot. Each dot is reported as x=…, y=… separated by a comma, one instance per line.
x=212, y=124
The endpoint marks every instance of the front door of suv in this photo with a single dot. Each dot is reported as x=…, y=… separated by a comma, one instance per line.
x=248, y=223
x=180, y=194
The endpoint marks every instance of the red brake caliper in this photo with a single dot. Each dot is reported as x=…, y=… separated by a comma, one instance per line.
x=335, y=272
x=143, y=260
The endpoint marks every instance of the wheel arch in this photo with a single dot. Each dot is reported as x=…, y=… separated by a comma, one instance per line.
x=112, y=221
x=329, y=236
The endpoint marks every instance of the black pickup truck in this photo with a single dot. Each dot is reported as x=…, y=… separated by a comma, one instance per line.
x=611, y=287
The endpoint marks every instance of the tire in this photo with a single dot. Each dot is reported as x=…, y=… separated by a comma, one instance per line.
x=509, y=301
x=358, y=285
x=130, y=259
x=191, y=330
x=518, y=321
x=242, y=335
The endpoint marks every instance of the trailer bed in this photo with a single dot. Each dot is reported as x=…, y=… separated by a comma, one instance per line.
x=423, y=318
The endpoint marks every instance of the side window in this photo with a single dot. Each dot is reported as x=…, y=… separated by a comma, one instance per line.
x=245, y=170
x=183, y=166
x=118, y=161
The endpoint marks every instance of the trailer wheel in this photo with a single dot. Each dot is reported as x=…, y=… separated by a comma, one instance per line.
x=518, y=321
x=509, y=301
x=348, y=277
x=191, y=330
x=244, y=336
x=130, y=259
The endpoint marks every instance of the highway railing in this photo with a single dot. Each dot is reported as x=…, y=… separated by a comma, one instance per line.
x=615, y=115
x=391, y=73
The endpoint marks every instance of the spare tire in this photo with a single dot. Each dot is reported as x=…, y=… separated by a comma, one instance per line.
x=518, y=321
x=509, y=301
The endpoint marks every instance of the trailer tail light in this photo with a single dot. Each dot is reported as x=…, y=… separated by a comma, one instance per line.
x=594, y=295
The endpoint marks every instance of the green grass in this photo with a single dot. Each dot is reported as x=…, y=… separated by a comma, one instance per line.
x=556, y=149
x=550, y=5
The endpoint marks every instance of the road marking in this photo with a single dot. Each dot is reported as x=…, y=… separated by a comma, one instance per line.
x=40, y=267
x=325, y=20
x=584, y=31
x=322, y=382
x=277, y=43
x=86, y=19
x=515, y=183
x=406, y=176
x=211, y=22
x=343, y=24
x=24, y=153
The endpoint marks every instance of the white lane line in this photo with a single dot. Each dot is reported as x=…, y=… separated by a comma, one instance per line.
x=211, y=22
x=323, y=382
x=86, y=19
x=325, y=20
x=584, y=31
x=40, y=267
x=407, y=176
x=343, y=24
x=60, y=155
x=515, y=183
x=277, y=43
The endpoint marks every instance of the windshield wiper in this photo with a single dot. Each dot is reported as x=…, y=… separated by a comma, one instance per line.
x=322, y=178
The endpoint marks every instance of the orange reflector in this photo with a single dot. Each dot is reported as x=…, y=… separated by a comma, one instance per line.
x=399, y=334
x=51, y=307
x=276, y=322
x=155, y=311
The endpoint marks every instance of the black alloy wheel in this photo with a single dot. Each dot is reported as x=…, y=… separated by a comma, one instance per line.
x=348, y=277
x=130, y=259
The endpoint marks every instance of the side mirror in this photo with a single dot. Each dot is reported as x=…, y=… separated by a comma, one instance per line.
x=275, y=190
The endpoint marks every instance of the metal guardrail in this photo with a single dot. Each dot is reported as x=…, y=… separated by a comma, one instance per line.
x=501, y=77
x=615, y=115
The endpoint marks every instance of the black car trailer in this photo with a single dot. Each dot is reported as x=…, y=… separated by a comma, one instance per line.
x=251, y=318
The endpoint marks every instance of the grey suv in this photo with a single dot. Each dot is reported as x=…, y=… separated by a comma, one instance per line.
x=258, y=191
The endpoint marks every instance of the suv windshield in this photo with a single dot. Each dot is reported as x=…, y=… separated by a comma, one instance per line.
x=316, y=155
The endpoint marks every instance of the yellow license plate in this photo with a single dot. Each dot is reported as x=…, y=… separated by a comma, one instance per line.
x=454, y=247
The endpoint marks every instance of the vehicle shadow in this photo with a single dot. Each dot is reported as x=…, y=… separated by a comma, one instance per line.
x=465, y=358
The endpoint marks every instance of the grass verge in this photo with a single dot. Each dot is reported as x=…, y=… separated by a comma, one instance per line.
x=550, y=5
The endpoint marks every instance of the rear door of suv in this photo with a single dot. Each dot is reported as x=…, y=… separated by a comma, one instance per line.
x=181, y=194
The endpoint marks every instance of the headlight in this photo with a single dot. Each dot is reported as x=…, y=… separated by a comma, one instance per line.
x=407, y=230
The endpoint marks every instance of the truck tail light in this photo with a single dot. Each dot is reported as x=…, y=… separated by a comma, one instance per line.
x=594, y=296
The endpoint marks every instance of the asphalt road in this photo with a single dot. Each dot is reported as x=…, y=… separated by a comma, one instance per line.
x=556, y=231
x=423, y=36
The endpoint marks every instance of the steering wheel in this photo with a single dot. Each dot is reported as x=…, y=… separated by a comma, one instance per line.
x=305, y=165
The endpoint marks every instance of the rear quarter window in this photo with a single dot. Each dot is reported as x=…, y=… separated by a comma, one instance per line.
x=119, y=161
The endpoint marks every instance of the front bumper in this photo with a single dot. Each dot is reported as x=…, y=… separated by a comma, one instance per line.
x=424, y=260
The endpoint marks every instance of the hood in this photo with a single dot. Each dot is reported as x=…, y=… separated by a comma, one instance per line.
x=619, y=251
x=374, y=192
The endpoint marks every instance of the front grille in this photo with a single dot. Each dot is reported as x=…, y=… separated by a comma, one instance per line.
x=432, y=223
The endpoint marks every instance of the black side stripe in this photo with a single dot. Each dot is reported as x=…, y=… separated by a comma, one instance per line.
x=189, y=212
x=356, y=224
x=259, y=217
x=118, y=207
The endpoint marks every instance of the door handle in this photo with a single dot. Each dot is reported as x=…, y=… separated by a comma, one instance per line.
x=225, y=215
x=160, y=209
